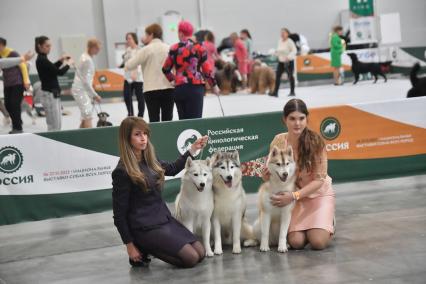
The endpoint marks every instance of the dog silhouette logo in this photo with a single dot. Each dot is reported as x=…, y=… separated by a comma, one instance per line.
x=102, y=79
x=186, y=139
x=330, y=128
x=11, y=159
x=307, y=62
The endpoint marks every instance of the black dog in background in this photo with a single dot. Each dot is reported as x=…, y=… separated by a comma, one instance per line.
x=103, y=120
x=359, y=67
x=419, y=84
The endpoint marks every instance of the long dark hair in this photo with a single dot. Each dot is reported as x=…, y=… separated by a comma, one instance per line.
x=209, y=36
x=246, y=31
x=40, y=40
x=310, y=142
x=134, y=36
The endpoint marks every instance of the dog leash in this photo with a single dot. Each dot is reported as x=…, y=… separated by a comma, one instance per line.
x=220, y=103
x=94, y=103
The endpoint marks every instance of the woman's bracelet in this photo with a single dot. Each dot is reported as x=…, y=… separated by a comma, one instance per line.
x=296, y=195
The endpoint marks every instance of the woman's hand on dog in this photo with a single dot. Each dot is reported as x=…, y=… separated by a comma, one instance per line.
x=133, y=252
x=199, y=144
x=281, y=199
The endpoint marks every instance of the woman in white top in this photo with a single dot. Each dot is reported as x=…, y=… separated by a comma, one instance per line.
x=82, y=87
x=286, y=52
x=158, y=91
x=133, y=81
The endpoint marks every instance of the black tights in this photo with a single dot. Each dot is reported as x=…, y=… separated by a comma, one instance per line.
x=187, y=257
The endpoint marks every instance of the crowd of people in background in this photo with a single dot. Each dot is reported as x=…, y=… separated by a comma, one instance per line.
x=158, y=75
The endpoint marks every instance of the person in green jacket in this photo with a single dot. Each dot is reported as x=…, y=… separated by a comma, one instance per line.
x=337, y=47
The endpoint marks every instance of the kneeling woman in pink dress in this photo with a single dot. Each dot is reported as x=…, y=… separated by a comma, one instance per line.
x=312, y=220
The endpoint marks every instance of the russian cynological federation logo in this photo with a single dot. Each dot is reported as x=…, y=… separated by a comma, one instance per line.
x=186, y=139
x=307, y=62
x=330, y=128
x=11, y=159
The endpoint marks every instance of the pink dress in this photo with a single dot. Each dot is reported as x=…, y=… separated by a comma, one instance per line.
x=315, y=211
x=241, y=56
x=212, y=54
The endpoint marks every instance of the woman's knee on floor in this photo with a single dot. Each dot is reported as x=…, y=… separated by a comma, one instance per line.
x=189, y=256
x=199, y=248
x=318, y=239
x=297, y=240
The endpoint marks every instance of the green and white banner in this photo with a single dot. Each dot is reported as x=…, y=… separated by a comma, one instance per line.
x=32, y=164
x=362, y=8
x=58, y=174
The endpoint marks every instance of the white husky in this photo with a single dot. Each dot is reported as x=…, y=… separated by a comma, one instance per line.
x=194, y=203
x=229, y=203
x=272, y=226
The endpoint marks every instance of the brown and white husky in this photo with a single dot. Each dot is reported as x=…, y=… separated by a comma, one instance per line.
x=272, y=225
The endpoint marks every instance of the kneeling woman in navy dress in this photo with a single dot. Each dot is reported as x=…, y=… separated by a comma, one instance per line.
x=141, y=216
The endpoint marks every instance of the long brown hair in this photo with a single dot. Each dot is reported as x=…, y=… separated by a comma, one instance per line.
x=127, y=154
x=310, y=143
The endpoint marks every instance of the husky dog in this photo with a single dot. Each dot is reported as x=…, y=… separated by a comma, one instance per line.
x=229, y=203
x=194, y=203
x=272, y=225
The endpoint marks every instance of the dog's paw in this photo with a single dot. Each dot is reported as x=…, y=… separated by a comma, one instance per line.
x=209, y=253
x=264, y=248
x=282, y=249
x=250, y=243
x=236, y=249
x=218, y=251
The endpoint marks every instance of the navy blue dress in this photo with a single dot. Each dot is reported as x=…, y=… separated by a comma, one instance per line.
x=142, y=217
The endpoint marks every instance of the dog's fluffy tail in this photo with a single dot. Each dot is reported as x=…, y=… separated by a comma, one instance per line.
x=413, y=74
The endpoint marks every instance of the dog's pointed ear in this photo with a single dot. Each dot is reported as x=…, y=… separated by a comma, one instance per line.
x=214, y=158
x=236, y=156
x=275, y=150
x=289, y=151
x=188, y=162
x=208, y=162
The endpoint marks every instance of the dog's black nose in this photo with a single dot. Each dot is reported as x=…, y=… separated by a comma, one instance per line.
x=202, y=184
x=229, y=177
x=285, y=175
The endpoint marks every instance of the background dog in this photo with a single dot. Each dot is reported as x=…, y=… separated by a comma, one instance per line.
x=272, y=226
x=229, y=203
x=359, y=67
x=419, y=84
x=227, y=77
x=103, y=120
x=194, y=203
x=262, y=78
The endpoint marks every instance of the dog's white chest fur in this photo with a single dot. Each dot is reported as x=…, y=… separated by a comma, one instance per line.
x=228, y=202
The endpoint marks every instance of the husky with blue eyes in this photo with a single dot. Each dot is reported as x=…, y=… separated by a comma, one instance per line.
x=230, y=205
x=194, y=203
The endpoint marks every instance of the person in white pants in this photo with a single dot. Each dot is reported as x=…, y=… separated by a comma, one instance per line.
x=82, y=87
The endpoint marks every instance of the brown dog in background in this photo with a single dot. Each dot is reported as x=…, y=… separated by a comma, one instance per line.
x=227, y=77
x=262, y=78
